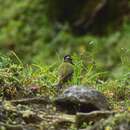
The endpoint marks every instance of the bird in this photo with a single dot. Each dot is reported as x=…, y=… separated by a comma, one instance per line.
x=65, y=71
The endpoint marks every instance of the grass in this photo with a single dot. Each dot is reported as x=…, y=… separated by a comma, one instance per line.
x=14, y=73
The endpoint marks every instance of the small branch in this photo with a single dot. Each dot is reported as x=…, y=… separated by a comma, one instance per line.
x=62, y=118
x=36, y=100
x=92, y=116
x=11, y=127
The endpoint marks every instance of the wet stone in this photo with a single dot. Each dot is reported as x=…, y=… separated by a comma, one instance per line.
x=81, y=99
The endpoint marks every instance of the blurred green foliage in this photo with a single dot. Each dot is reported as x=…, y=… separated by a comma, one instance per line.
x=25, y=29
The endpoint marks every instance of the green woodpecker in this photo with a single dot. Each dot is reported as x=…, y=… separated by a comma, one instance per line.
x=66, y=71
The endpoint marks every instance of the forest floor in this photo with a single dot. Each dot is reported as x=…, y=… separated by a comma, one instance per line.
x=23, y=108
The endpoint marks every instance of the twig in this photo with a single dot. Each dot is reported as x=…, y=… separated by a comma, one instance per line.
x=35, y=100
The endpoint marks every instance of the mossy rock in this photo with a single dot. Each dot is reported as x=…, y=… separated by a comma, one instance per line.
x=120, y=121
x=81, y=99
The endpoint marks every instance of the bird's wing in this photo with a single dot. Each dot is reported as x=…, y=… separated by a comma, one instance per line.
x=65, y=70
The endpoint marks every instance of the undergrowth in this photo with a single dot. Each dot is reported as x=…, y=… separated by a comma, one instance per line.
x=16, y=74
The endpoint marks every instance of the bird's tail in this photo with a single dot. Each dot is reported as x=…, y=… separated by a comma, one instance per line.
x=59, y=86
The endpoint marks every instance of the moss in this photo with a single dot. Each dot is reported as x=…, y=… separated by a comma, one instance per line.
x=114, y=122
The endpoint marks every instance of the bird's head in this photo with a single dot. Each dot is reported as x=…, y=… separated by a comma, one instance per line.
x=67, y=58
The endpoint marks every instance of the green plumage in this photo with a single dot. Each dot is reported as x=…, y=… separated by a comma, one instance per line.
x=65, y=72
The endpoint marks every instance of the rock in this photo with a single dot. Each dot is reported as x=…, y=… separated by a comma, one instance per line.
x=2, y=111
x=8, y=106
x=120, y=121
x=6, y=126
x=30, y=117
x=62, y=122
x=81, y=99
x=92, y=117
